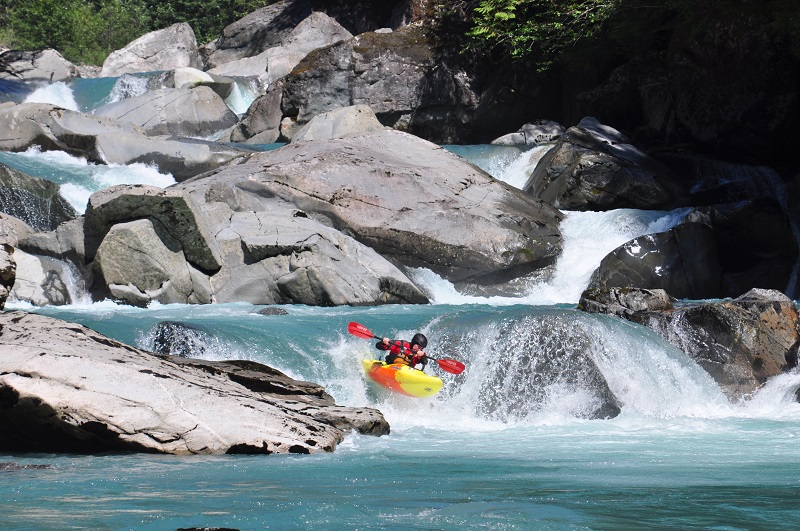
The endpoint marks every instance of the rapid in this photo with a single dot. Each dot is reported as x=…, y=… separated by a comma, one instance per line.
x=496, y=449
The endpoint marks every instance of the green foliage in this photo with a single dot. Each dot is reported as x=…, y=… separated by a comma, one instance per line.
x=84, y=31
x=545, y=29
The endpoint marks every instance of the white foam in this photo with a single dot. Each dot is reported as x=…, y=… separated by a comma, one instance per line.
x=79, y=179
x=57, y=93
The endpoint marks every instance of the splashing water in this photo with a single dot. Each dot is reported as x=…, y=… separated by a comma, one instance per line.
x=78, y=178
x=57, y=93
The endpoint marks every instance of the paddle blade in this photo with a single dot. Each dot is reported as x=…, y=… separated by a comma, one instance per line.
x=451, y=366
x=360, y=330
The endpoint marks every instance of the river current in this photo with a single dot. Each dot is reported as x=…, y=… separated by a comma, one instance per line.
x=486, y=453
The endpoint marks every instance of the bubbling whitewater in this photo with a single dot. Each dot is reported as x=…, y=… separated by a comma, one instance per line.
x=78, y=178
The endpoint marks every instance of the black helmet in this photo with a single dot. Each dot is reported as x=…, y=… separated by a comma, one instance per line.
x=419, y=339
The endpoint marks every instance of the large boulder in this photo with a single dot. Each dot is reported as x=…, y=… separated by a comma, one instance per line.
x=261, y=123
x=12, y=229
x=44, y=281
x=306, y=223
x=66, y=388
x=213, y=240
x=190, y=112
x=65, y=243
x=106, y=140
x=37, y=202
x=718, y=251
x=410, y=200
x=139, y=262
x=532, y=134
x=339, y=123
x=53, y=128
x=165, y=49
x=181, y=216
x=181, y=157
x=741, y=342
x=756, y=245
x=256, y=32
x=315, y=31
x=395, y=73
x=38, y=65
x=594, y=167
x=682, y=261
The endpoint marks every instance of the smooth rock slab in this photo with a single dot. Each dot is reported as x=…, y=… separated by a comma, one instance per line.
x=66, y=388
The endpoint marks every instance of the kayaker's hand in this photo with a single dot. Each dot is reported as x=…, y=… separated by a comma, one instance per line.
x=385, y=340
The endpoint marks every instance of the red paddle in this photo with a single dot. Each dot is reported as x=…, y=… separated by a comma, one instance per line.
x=447, y=365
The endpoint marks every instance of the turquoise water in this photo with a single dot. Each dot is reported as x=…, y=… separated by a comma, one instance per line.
x=679, y=456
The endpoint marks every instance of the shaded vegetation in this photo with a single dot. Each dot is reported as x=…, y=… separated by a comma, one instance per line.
x=86, y=31
x=505, y=32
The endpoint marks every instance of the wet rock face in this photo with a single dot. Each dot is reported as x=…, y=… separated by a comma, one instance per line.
x=740, y=342
x=37, y=202
x=717, y=251
x=536, y=365
x=594, y=167
x=66, y=388
x=682, y=261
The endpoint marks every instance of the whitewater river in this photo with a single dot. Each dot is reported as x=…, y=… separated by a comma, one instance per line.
x=491, y=451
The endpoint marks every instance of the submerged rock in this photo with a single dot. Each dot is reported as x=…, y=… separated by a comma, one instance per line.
x=179, y=339
x=66, y=388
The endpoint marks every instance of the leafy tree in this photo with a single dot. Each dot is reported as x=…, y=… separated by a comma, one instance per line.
x=545, y=29
x=84, y=31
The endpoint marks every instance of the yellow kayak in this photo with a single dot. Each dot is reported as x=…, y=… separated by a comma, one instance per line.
x=402, y=378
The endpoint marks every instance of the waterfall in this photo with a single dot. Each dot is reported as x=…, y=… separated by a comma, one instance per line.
x=128, y=86
x=541, y=365
x=244, y=93
x=78, y=178
x=587, y=238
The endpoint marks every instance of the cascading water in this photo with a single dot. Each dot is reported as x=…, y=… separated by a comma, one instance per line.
x=244, y=92
x=77, y=177
x=56, y=93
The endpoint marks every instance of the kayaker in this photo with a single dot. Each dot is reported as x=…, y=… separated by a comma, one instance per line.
x=411, y=354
